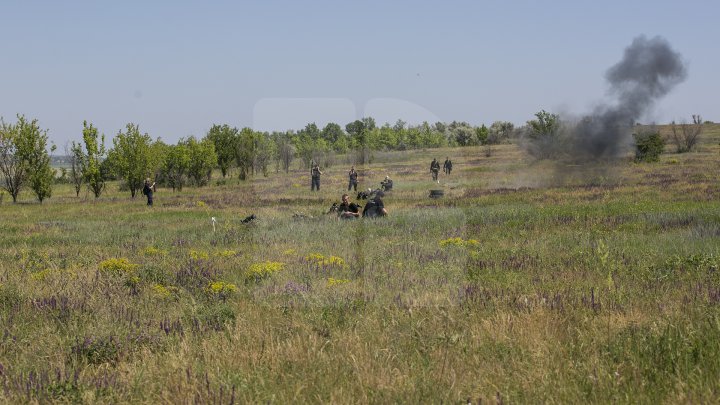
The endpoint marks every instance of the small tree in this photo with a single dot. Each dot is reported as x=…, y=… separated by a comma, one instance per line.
x=13, y=163
x=685, y=136
x=176, y=165
x=76, y=166
x=130, y=157
x=202, y=159
x=24, y=158
x=543, y=135
x=225, y=139
x=499, y=132
x=32, y=142
x=91, y=161
x=648, y=146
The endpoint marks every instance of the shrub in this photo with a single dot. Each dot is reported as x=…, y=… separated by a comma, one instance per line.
x=648, y=146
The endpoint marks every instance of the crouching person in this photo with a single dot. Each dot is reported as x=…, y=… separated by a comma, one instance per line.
x=348, y=210
x=375, y=207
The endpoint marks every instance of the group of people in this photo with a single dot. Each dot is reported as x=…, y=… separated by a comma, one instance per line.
x=435, y=168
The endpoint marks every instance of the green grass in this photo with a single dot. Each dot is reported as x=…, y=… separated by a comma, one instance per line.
x=584, y=284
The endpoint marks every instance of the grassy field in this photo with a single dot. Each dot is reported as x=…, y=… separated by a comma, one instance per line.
x=528, y=282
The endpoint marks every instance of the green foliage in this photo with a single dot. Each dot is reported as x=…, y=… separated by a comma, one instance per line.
x=24, y=158
x=481, y=134
x=176, y=165
x=499, y=132
x=245, y=152
x=202, y=159
x=543, y=136
x=225, y=139
x=77, y=157
x=131, y=157
x=91, y=160
x=648, y=146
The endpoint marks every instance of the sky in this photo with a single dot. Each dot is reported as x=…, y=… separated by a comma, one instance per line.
x=175, y=68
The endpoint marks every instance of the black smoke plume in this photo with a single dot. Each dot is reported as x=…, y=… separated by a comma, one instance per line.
x=649, y=70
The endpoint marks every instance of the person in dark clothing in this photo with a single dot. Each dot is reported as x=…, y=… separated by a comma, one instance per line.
x=387, y=184
x=447, y=166
x=435, y=169
x=375, y=207
x=148, y=191
x=315, y=176
x=348, y=210
x=352, y=174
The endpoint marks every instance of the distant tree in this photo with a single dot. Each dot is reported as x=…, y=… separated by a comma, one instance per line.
x=334, y=136
x=284, y=149
x=24, y=158
x=33, y=141
x=500, y=131
x=13, y=161
x=543, y=136
x=264, y=151
x=202, y=159
x=92, y=159
x=176, y=165
x=648, y=146
x=225, y=139
x=245, y=152
x=685, y=136
x=76, y=155
x=131, y=157
x=481, y=134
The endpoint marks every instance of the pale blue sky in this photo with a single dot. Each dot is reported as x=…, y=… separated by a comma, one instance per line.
x=177, y=67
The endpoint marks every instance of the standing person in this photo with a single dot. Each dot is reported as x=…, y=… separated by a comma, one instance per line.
x=348, y=210
x=352, y=174
x=315, y=176
x=148, y=191
x=447, y=167
x=435, y=169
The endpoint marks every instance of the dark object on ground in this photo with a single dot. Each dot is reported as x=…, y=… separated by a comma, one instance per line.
x=375, y=206
x=334, y=209
x=364, y=195
x=249, y=219
x=436, y=193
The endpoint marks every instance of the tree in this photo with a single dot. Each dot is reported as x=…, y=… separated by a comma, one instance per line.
x=334, y=135
x=202, y=159
x=284, y=149
x=648, y=146
x=245, y=152
x=41, y=174
x=176, y=165
x=131, y=157
x=224, y=138
x=543, y=136
x=264, y=151
x=500, y=131
x=24, y=158
x=77, y=177
x=91, y=160
x=481, y=134
x=686, y=136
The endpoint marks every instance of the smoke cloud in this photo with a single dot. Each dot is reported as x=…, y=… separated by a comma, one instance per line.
x=649, y=70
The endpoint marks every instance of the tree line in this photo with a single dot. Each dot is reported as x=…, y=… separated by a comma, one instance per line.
x=134, y=156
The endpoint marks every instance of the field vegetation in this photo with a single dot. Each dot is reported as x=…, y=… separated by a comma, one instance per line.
x=529, y=281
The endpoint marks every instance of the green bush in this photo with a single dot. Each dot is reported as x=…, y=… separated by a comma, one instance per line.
x=648, y=146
